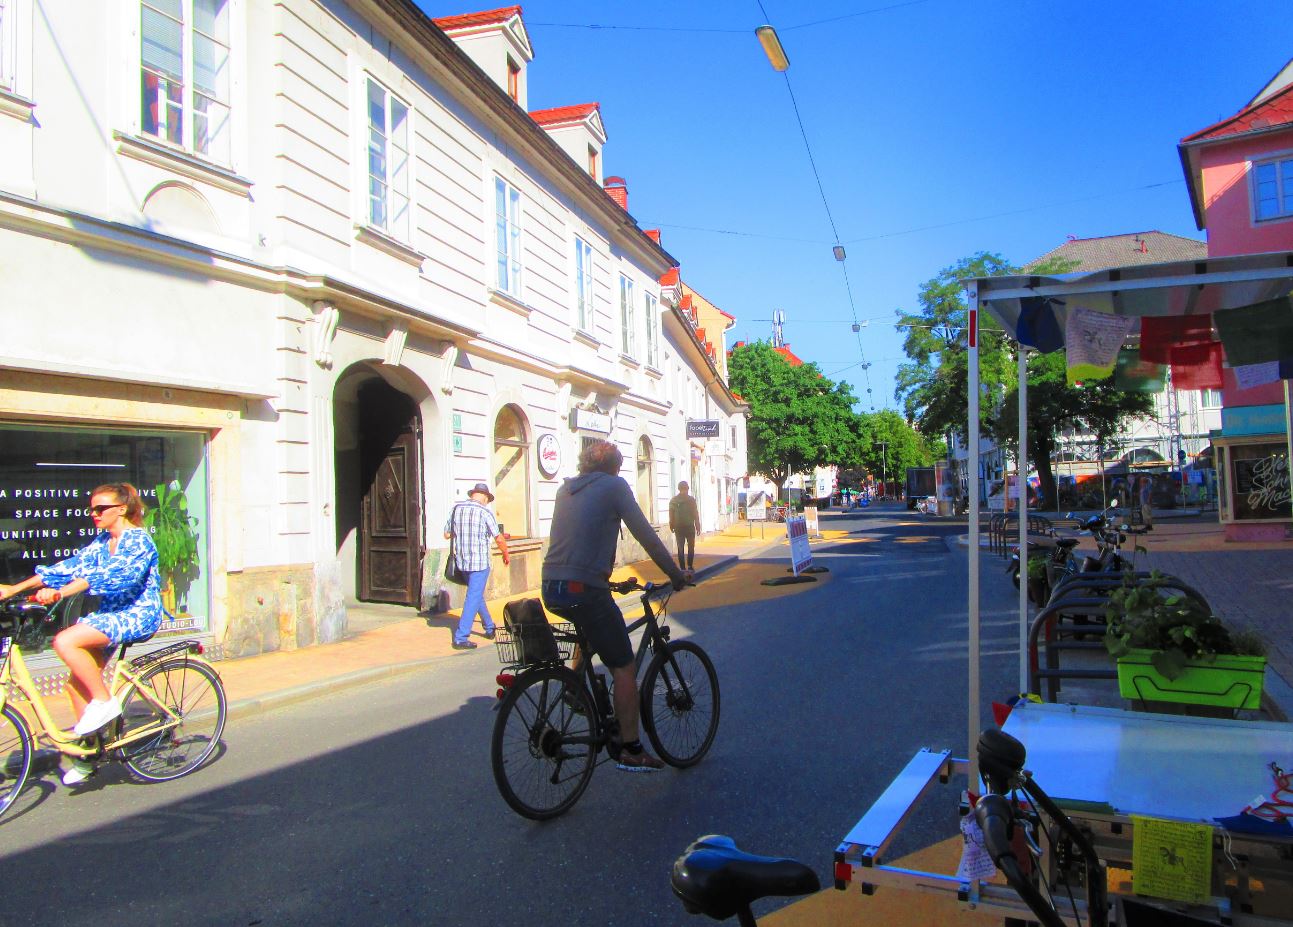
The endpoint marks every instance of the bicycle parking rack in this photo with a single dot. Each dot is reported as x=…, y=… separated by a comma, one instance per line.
x=999, y=531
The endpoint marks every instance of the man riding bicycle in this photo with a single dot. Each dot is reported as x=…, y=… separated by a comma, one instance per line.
x=576, y=578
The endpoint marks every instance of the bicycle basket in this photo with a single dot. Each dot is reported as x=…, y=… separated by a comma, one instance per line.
x=528, y=644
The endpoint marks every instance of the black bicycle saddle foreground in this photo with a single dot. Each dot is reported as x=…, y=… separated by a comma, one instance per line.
x=714, y=878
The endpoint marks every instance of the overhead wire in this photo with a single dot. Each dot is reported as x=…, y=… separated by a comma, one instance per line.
x=830, y=218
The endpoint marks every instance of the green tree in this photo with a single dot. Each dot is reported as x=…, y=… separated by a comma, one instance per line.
x=1097, y=406
x=798, y=418
x=892, y=445
x=933, y=386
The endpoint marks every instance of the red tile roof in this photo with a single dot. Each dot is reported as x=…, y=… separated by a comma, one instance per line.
x=670, y=277
x=483, y=18
x=1275, y=110
x=547, y=117
x=791, y=357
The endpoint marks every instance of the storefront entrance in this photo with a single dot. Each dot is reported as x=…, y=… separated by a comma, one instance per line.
x=379, y=489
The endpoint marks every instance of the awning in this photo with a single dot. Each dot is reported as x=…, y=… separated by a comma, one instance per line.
x=1036, y=311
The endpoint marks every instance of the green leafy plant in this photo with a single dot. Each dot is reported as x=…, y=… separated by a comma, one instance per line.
x=1176, y=627
x=174, y=534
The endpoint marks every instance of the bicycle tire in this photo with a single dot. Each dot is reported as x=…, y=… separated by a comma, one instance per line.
x=15, y=755
x=194, y=691
x=681, y=703
x=539, y=773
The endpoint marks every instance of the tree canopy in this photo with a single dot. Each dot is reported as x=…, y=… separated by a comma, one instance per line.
x=1097, y=406
x=798, y=418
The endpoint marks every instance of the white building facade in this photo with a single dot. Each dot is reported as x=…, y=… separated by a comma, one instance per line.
x=311, y=264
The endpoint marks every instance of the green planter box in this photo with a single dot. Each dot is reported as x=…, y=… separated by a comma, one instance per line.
x=1228, y=682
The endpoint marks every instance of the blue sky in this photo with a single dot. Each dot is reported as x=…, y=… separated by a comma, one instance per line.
x=939, y=128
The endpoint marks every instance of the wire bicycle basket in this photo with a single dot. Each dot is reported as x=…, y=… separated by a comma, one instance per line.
x=531, y=644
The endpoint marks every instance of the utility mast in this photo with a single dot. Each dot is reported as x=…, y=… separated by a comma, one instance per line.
x=778, y=336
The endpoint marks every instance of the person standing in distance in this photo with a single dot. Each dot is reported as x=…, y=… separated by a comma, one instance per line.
x=471, y=525
x=576, y=578
x=684, y=522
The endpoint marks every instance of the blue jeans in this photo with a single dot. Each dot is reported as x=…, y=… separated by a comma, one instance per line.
x=474, y=604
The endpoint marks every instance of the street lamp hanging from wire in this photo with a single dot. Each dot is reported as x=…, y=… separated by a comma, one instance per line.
x=772, y=48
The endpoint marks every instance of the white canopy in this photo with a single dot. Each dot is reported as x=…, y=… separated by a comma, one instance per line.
x=1042, y=302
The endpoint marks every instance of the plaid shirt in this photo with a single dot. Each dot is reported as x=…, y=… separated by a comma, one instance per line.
x=473, y=526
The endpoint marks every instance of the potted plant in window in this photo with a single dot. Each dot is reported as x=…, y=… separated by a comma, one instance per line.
x=174, y=535
x=1171, y=648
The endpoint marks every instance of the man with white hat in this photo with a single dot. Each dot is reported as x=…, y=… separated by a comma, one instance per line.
x=471, y=525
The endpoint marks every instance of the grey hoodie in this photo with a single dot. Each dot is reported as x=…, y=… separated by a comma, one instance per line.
x=585, y=526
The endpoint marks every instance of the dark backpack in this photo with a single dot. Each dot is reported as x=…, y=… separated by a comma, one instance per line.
x=531, y=632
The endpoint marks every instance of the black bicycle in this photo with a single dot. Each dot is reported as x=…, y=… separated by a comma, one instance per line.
x=554, y=721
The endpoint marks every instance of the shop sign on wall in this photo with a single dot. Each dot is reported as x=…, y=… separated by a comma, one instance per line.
x=702, y=428
x=589, y=420
x=549, y=450
x=1260, y=475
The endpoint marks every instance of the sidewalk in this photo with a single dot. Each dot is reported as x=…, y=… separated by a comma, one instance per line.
x=272, y=680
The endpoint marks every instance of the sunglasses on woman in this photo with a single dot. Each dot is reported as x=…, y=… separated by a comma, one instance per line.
x=100, y=509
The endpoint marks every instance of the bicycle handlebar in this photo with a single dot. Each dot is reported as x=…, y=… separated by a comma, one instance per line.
x=633, y=584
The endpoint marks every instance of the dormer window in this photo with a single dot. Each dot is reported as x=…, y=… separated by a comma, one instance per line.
x=513, y=80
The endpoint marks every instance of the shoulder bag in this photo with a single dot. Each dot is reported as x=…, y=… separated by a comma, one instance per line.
x=451, y=571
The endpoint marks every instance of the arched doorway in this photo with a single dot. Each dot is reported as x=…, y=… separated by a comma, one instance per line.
x=644, y=487
x=379, y=488
x=511, y=472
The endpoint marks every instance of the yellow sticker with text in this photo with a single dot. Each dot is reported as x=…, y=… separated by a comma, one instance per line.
x=1171, y=859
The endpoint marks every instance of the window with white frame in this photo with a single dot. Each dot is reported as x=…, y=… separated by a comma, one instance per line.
x=507, y=224
x=1273, y=189
x=628, y=332
x=652, y=332
x=8, y=44
x=1210, y=398
x=583, y=285
x=184, y=74
x=388, y=162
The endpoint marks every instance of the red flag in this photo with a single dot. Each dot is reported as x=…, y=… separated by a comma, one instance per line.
x=1197, y=366
x=1160, y=334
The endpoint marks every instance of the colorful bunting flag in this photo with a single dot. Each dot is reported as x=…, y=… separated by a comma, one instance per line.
x=1159, y=334
x=1249, y=376
x=1259, y=333
x=1037, y=326
x=1135, y=375
x=1092, y=340
x=1197, y=366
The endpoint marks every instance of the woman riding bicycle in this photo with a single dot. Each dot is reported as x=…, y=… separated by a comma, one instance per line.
x=120, y=566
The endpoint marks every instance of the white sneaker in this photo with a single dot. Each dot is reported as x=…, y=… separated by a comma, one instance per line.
x=78, y=772
x=96, y=715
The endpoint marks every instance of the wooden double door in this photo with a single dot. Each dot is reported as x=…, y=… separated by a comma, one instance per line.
x=390, y=525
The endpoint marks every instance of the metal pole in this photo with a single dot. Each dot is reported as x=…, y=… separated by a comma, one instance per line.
x=972, y=604
x=1288, y=433
x=1023, y=518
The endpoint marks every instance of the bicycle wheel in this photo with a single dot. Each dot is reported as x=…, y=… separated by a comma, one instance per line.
x=193, y=691
x=680, y=703
x=15, y=755
x=543, y=751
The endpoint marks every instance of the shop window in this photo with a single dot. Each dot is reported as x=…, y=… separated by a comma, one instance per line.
x=184, y=74
x=47, y=475
x=645, y=485
x=511, y=473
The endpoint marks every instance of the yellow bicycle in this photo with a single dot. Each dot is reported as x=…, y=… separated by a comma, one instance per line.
x=172, y=708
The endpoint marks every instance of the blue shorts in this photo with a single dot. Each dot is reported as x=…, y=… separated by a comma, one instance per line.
x=593, y=611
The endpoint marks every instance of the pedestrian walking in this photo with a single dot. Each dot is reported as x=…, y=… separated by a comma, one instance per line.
x=684, y=522
x=1146, y=502
x=472, y=526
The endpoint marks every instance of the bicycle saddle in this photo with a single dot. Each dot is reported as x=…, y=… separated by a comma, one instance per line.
x=1067, y=542
x=714, y=878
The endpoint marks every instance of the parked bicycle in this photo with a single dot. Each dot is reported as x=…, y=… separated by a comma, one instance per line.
x=554, y=721
x=172, y=707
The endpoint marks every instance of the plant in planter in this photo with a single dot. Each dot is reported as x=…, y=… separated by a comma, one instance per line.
x=174, y=535
x=1038, y=579
x=1172, y=648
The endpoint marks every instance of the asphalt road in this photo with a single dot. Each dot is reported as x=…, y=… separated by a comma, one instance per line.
x=377, y=805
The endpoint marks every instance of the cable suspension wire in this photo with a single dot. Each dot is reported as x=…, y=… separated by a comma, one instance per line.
x=830, y=218
x=703, y=31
